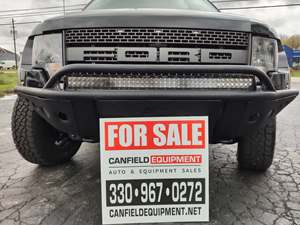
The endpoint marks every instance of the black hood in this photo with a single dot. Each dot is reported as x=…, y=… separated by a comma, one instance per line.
x=153, y=18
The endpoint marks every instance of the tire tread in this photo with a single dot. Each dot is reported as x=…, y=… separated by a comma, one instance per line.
x=27, y=128
x=256, y=151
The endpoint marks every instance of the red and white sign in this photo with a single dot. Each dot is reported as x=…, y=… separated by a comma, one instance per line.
x=154, y=170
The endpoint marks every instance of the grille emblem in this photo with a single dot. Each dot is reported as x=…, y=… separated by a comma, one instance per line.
x=153, y=54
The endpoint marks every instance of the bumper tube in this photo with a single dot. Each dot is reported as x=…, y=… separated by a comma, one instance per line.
x=232, y=113
x=115, y=68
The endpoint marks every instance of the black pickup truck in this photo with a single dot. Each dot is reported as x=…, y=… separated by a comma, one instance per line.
x=149, y=58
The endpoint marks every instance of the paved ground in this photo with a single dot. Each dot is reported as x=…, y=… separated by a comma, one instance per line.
x=69, y=194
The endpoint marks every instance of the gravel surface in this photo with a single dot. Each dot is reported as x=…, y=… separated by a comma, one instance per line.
x=70, y=194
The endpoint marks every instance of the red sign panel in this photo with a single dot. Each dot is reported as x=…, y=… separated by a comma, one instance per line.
x=147, y=135
x=175, y=159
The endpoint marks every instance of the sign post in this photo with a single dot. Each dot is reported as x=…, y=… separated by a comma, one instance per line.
x=154, y=170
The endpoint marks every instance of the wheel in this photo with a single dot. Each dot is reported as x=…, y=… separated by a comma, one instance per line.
x=256, y=151
x=36, y=140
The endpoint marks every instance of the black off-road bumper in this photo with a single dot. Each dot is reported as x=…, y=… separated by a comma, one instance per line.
x=232, y=113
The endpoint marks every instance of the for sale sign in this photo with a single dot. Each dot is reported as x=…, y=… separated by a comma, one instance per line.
x=154, y=170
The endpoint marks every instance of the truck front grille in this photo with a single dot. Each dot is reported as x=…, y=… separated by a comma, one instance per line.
x=159, y=81
x=153, y=36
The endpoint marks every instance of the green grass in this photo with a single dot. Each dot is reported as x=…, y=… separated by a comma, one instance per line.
x=296, y=73
x=8, y=81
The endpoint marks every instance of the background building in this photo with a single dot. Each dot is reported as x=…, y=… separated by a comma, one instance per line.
x=7, y=59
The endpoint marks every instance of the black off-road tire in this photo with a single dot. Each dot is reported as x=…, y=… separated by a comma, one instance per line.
x=256, y=151
x=36, y=140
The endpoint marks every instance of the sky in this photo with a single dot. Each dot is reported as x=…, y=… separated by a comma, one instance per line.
x=286, y=20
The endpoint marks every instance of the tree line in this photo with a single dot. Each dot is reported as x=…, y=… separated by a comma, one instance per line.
x=292, y=41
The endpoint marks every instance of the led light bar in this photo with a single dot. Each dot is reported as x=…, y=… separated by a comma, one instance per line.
x=80, y=82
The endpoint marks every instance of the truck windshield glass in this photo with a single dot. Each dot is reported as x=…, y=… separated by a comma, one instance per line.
x=202, y=5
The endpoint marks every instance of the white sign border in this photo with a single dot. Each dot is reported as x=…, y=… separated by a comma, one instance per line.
x=160, y=118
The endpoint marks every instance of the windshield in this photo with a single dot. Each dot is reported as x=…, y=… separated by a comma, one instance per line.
x=202, y=5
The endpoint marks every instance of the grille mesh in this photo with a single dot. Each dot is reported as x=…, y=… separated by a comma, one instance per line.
x=157, y=36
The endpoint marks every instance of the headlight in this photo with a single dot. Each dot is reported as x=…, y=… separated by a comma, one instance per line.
x=47, y=52
x=265, y=53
